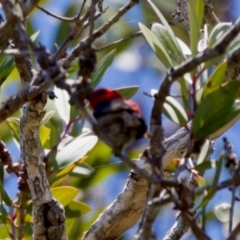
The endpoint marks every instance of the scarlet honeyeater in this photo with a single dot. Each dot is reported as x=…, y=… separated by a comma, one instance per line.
x=119, y=119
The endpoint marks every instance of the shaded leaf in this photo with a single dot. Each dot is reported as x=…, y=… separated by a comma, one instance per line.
x=14, y=124
x=216, y=110
x=6, y=67
x=205, y=165
x=75, y=150
x=102, y=68
x=4, y=196
x=184, y=92
x=213, y=190
x=127, y=92
x=76, y=209
x=174, y=111
x=64, y=194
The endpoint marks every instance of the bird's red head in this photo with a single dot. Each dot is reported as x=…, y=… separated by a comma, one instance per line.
x=103, y=94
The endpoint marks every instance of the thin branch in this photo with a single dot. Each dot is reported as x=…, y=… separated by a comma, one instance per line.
x=235, y=233
x=97, y=33
x=61, y=18
x=124, y=39
x=23, y=202
x=232, y=210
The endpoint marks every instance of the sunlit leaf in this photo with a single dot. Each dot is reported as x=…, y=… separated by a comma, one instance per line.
x=195, y=19
x=57, y=178
x=76, y=209
x=102, y=68
x=216, y=110
x=169, y=44
x=217, y=33
x=216, y=78
x=75, y=150
x=127, y=92
x=184, y=48
x=200, y=180
x=64, y=194
x=162, y=19
x=222, y=212
x=62, y=104
x=156, y=46
x=44, y=134
x=203, y=152
x=35, y=35
x=48, y=115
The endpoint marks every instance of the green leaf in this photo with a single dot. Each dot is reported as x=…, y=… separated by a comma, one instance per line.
x=184, y=92
x=168, y=43
x=156, y=46
x=76, y=209
x=64, y=194
x=195, y=19
x=216, y=79
x=163, y=20
x=4, y=217
x=14, y=124
x=215, y=36
x=213, y=190
x=102, y=68
x=62, y=104
x=174, y=111
x=6, y=67
x=58, y=177
x=217, y=33
x=48, y=115
x=205, y=165
x=44, y=134
x=216, y=110
x=75, y=150
x=222, y=212
x=127, y=92
x=4, y=196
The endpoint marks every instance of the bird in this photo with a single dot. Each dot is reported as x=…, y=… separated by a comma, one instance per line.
x=119, y=119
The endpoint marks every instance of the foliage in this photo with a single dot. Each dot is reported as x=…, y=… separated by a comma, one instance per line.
x=73, y=150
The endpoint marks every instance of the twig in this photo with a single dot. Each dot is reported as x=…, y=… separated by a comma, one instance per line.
x=61, y=18
x=232, y=209
x=23, y=201
x=209, y=15
x=124, y=39
x=98, y=33
x=235, y=233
